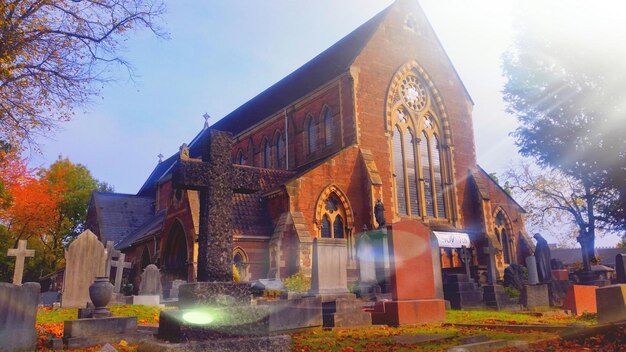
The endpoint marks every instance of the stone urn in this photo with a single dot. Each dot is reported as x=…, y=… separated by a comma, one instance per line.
x=100, y=293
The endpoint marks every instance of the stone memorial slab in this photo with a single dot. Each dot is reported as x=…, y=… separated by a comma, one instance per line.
x=366, y=255
x=611, y=303
x=416, y=284
x=85, y=259
x=18, y=313
x=20, y=253
x=534, y=296
x=298, y=313
x=462, y=293
x=150, y=281
x=620, y=268
x=329, y=275
x=580, y=299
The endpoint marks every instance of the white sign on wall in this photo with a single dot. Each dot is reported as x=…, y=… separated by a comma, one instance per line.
x=452, y=239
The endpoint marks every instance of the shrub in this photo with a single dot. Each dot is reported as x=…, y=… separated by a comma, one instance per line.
x=236, y=277
x=511, y=292
x=297, y=282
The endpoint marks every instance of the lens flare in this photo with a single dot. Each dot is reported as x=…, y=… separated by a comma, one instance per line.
x=198, y=318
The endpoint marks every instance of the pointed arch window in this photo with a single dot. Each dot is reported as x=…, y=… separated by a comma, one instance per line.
x=266, y=154
x=419, y=162
x=326, y=233
x=333, y=218
x=241, y=159
x=311, y=135
x=338, y=227
x=328, y=126
x=280, y=151
x=503, y=231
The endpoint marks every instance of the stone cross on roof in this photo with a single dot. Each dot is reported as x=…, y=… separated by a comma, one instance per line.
x=20, y=253
x=491, y=251
x=120, y=264
x=216, y=179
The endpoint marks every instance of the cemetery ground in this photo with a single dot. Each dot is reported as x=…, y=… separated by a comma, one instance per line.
x=543, y=330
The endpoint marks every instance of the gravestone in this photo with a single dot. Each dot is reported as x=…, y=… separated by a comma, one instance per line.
x=416, y=284
x=20, y=253
x=18, y=313
x=466, y=259
x=120, y=264
x=611, y=303
x=367, y=265
x=150, y=281
x=85, y=259
x=460, y=290
x=491, y=252
x=620, y=268
x=329, y=280
x=174, y=290
x=531, y=266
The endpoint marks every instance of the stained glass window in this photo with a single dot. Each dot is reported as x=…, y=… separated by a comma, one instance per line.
x=338, y=227
x=439, y=186
x=266, y=154
x=428, y=190
x=280, y=151
x=411, y=172
x=328, y=126
x=325, y=227
x=312, y=135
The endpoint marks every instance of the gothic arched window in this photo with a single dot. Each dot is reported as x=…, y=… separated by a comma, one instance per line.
x=266, y=154
x=241, y=159
x=418, y=156
x=333, y=218
x=311, y=135
x=503, y=231
x=240, y=261
x=280, y=151
x=328, y=126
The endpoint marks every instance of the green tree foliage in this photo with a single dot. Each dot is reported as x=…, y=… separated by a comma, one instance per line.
x=53, y=52
x=567, y=93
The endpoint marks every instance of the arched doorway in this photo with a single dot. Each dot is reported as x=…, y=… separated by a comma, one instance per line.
x=175, y=259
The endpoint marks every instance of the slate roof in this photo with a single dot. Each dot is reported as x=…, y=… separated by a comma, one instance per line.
x=250, y=214
x=321, y=69
x=120, y=214
x=153, y=225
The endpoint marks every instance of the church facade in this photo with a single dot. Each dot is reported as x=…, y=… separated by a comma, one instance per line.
x=380, y=116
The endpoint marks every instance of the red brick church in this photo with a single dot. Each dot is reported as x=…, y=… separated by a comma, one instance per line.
x=381, y=114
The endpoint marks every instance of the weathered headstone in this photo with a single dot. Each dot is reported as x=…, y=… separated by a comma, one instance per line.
x=20, y=253
x=18, y=313
x=329, y=275
x=120, y=264
x=493, y=294
x=150, y=281
x=85, y=259
x=620, y=268
x=175, y=285
x=531, y=266
x=611, y=303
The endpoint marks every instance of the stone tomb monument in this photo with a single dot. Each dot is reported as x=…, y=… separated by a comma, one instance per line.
x=417, y=294
x=534, y=294
x=20, y=253
x=329, y=281
x=18, y=313
x=611, y=303
x=460, y=290
x=85, y=259
x=218, y=309
x=368, y=261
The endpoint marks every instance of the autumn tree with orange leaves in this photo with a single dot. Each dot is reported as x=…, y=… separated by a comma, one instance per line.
x=54, y=55
x=46, y=207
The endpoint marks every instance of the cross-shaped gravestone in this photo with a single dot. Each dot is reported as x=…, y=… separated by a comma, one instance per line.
x=491, y=251
x=216, y=179
x=20, y=253
x=111, y=253
x=466, y=258
x=120, y=264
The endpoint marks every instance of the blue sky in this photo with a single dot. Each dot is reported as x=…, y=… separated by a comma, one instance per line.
x=222, y=53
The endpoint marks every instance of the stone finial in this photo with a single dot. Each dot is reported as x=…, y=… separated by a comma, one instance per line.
x=160, y=156
x=184, y=152
x=206, y=120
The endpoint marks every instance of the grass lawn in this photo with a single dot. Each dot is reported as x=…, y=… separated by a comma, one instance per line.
x=375, y=338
